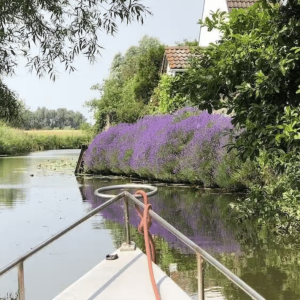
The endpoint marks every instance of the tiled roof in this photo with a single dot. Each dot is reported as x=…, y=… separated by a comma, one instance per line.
x=178, y=57
x=239, y=3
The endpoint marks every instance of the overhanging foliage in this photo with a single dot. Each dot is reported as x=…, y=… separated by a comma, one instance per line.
x=53, y=32
x=253, y=72
x=59, y=29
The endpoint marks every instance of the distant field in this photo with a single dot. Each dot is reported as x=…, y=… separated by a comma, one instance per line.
x=15, y=141
x=57, y=139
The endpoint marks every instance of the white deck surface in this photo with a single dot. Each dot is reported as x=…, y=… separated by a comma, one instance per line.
x=126, y=278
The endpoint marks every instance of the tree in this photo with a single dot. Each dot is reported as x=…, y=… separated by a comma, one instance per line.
x=60, y=30
x=44, y=118
x=125, y=94
x=253, y=72
x=186, y=42
x=9, y=104
x=52, y=32
x=147, y=76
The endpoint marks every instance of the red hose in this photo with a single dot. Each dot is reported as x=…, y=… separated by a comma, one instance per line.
x=143, y=228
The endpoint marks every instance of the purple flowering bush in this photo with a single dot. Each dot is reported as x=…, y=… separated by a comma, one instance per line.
x=187, y=146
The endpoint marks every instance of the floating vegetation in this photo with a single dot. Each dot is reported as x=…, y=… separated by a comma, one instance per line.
x=60, y=165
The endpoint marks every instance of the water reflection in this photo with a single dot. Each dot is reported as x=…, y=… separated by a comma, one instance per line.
x=34, y=208
x=201, y=221
x=10, y=196
x=271, y=265
x=13, y=170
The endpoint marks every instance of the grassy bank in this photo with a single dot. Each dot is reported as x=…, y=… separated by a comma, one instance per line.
x=14, y=141
x=57, y=139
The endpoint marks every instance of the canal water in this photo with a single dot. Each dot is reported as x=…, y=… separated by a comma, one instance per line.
x=39, y=195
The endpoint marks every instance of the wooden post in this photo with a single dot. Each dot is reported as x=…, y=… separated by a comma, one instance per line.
x=200, y=277
x=80, y=159
x=21, y=282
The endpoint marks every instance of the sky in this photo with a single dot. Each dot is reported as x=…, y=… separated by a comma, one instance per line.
x=172, y=21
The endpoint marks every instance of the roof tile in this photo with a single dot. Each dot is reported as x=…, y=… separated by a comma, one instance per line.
x=178, y=57
x=239, y=3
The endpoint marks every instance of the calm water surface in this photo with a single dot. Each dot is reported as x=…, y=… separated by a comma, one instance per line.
x=33, y=208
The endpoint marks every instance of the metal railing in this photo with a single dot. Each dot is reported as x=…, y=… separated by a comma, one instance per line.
x=201, y=254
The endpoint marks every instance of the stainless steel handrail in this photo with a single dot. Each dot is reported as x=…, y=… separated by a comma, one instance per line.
x=236, y=280
x=98, y=193
x=127, y=196
x=58, y=235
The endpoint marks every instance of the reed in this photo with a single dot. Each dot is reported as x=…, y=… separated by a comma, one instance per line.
x=15, y=141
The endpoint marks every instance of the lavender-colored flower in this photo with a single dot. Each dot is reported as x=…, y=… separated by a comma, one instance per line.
x=187, y=145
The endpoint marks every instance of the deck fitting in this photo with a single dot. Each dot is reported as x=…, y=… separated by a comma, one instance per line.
x=128, y=247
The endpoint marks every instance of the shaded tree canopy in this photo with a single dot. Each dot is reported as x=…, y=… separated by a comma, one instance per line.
x=125, y=94
x=52, y=32
x=59, y=30
x=9, y=104
x=253, y=72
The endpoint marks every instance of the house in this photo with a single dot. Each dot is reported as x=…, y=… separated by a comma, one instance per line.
x=176, y=60
x=207, y=37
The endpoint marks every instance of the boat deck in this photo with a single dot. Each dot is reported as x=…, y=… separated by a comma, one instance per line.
x=126, y=278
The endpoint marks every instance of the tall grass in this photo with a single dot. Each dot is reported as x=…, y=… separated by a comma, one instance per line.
x=15, y=141
x=57, y=139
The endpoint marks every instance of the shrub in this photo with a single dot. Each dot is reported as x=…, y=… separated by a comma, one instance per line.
x=164, y=100
x=186, y=146
x=274, y=199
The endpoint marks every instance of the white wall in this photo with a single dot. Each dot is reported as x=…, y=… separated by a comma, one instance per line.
x=173, y=72
x=170, y=71
x=211, y=5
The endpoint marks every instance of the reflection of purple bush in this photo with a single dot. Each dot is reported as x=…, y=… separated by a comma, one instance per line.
x=185, y=146
x=201, y=222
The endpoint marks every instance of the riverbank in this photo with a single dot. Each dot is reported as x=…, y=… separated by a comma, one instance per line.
x=15, y=141
x=190, y=146
x=186, y=147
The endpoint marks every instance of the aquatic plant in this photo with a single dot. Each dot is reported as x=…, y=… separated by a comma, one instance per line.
x=185, y=146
